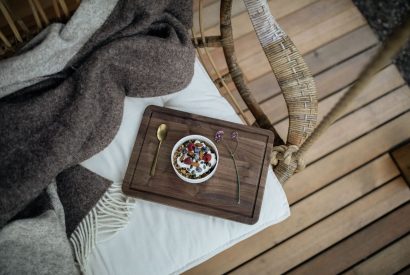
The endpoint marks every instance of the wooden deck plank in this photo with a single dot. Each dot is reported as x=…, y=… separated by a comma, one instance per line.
x=266, y=87
x=240, y=21
x=327, y=83
x=205, y=3
x=211, y=13
x=346, y=159
x=242, y=25
x=340, y=49
x=383, y=82
x=388, y=261
x=302, y=25
x=343, y=74
x=329, y=30
x=360, y=122
x=336, y=45
x=329, y=231
x=304, y=214
x=293, y=25
x=404, y=271
x=321, y=34
x=306, y=19
x=371, y=239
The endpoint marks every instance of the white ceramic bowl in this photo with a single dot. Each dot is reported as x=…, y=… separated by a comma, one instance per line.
x=201, y=138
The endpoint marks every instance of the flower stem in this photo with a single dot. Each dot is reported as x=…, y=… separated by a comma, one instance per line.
x=237, y=178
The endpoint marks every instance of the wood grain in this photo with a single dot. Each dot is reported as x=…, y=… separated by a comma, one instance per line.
x=242, y=24
x=310, y=39
x=340, y=49
x=404, y=271
x=383, y=82
x=303, y=19
x=218, y=196
x=329, y=231
x=388, y=261
x=346, y=159
x=335, y=59
x=361, y=122
x=327, y=83
x=325, y=57
x=304, y=214
x=371, y=239
x=211, y=13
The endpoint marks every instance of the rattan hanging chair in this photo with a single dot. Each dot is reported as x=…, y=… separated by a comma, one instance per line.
x=25, y=18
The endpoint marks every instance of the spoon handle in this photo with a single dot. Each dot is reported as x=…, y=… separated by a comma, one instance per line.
x=154, y=163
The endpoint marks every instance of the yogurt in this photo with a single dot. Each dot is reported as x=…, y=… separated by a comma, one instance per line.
x=194, y=159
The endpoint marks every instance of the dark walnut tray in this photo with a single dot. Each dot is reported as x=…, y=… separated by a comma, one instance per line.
x=217, y=196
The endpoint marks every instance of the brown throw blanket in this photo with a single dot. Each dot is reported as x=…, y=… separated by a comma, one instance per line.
x=143, y=49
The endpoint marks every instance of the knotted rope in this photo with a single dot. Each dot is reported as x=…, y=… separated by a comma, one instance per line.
x=286, y=154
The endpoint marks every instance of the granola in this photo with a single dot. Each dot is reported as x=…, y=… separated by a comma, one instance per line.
x=194, y=159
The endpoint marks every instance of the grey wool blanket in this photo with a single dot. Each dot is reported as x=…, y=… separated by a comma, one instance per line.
x=143, y=49
x=36, y=242
x=50, y=50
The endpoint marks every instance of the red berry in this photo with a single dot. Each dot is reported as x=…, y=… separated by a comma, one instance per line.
x=207, y=157
x=188, y=161
x=191, y=147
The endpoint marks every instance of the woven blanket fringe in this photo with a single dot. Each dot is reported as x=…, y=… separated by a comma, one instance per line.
x=110, y=214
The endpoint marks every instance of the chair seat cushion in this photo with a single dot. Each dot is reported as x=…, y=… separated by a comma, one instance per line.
x=160, y=239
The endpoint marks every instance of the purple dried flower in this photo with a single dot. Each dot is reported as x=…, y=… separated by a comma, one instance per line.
x=234, y=135
x=219, y=135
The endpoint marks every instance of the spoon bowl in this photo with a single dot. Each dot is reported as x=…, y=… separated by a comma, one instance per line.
x=162, y=132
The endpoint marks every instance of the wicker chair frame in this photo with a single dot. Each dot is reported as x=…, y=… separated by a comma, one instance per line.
x=287, y=64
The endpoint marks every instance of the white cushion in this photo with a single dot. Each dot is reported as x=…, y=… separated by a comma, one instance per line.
x=160, y=239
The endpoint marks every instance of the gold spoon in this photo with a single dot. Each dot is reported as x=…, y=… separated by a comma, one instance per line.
x=161, y=135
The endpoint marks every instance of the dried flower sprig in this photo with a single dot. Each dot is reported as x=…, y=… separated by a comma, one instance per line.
x=234, y=136
x=219, y=136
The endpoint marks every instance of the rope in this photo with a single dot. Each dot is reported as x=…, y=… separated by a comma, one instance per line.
x=286, y=154
x=389, y=49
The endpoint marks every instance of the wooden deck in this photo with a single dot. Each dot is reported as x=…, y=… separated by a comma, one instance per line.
x=350, y=206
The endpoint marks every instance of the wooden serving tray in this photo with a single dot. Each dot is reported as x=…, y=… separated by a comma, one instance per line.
x=217, y=196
